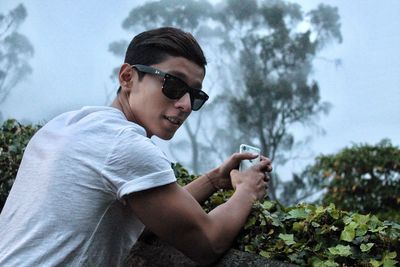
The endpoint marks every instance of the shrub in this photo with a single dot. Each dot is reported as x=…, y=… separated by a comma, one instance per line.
x=312, y=235
x=363, y=178
x=13, y=139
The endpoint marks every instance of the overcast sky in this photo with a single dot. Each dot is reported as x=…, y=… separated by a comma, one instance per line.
x=71, y=67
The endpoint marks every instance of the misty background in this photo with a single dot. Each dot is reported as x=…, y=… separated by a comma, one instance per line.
x=72, y=64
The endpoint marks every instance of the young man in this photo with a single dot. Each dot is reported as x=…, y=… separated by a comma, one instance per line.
x=90, y=180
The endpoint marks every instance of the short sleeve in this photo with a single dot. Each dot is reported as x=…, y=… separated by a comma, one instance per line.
x=135, y=164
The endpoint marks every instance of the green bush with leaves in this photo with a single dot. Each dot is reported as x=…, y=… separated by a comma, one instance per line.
x=312, y=235
x=13, y=139
x=363, y=178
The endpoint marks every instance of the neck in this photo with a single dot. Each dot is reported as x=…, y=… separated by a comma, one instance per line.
x=121, y=102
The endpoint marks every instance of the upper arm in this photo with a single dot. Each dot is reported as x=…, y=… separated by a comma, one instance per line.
x=175, y=216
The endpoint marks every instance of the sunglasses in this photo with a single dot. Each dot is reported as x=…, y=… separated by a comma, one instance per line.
x=175, y=88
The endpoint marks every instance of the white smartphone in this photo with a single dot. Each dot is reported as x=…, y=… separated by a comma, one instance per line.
x=247, y=163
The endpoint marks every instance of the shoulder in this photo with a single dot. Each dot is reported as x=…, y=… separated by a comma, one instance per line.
x=135, y=163
x=136, y=151
x=131, y=140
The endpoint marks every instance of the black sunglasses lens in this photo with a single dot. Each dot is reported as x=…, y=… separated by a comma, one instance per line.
x=197, y=103
x=174, y=88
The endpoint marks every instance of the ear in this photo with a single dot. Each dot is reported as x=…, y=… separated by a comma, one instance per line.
x=125, y=76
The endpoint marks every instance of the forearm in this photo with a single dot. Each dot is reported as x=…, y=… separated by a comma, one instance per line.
x=228, y=219
x=202, y=187
x=219, y=228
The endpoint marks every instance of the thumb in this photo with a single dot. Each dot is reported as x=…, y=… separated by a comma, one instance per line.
x=233, y=172
x=260, y=166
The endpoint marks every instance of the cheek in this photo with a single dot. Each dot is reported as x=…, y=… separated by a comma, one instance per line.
x=149, y=101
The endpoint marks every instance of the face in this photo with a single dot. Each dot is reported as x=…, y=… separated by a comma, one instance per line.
x=150, y=108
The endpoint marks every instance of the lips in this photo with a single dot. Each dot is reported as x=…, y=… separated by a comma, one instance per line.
x=174, y=120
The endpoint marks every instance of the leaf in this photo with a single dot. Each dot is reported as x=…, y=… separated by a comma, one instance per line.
x=334, y=228
x=333, y=211
x=374, y=223
x=287, y=238
x=361, y=219
x=348, y=234
x=362, y=230
x=298, y=226
x=275, y=221
x=340, y=250
x=298, y=214
x=328, y=263
x=366, y=247
x=378, y=229
x=347, y=220
x=375, y=263
x=270, y=232
x=390, y=255
x=317, y=247
x=268, y=205
x=249, y=248
x=319, y=210
x=389, y=263
x=395, y=225
x=265, y=254
x=315, y=224
x=250, y=222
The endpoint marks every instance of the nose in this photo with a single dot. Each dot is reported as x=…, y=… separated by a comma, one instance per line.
x=184, y=103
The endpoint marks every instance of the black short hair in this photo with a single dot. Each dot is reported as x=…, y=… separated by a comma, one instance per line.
x=156, y=45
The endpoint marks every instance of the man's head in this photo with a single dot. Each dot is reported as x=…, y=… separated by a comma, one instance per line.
x=161, y=79
x=154, y=46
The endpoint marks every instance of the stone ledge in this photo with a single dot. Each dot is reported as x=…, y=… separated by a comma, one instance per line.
x=155, y=253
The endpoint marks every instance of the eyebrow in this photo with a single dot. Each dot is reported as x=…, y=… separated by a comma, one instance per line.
x=183, y=77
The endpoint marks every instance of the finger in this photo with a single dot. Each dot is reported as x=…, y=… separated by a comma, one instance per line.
x=244, y=155
x=269, y=168
x=267, y=178
x=233, y=172
x=264, y=158
x=263, y=166
x=266, y=186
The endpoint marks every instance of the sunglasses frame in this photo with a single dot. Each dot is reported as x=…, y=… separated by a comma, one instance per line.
x=195, y=94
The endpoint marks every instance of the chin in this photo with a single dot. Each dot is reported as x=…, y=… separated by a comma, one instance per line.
x=165, y=136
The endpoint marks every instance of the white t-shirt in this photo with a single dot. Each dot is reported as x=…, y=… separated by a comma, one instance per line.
x=66, y=207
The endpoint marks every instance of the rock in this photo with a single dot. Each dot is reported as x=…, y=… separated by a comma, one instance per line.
x=152, y=252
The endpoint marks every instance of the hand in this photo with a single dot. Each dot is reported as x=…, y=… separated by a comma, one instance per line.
x=254, y=180
x=221, y=177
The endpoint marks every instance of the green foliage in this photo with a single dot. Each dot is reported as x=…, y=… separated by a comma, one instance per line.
x=313, y=235
x=362, y=178
x=183, y=176
x=13, y=139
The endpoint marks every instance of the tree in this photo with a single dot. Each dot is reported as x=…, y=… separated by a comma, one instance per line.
x=265, y=61
x=363, y=178
x=15, y=51
x=275, y=57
